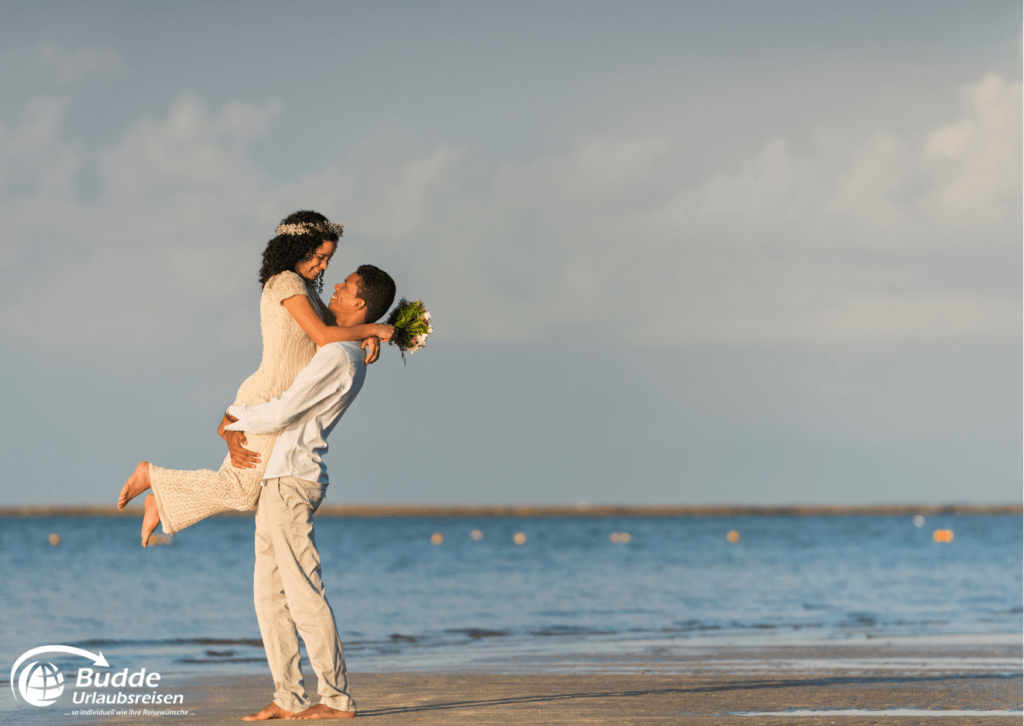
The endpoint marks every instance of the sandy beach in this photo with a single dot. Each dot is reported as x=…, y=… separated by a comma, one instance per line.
x=819, y=684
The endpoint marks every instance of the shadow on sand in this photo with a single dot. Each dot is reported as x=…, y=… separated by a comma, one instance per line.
x=751, y=685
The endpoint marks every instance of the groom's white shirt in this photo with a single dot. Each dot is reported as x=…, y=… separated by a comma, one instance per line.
x=306, y=413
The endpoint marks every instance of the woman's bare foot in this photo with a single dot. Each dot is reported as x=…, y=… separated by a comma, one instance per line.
x=150, y=519
x=320, y=711
x=270, y=712
x=137, y=483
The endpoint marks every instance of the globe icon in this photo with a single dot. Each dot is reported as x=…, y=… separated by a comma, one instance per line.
x=41, y=683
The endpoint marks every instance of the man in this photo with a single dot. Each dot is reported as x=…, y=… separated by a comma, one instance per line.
x=288, y=591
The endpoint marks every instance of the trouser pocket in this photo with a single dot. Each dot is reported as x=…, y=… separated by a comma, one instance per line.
x=315, y=491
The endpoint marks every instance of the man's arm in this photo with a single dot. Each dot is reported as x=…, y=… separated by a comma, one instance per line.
x=318, y=380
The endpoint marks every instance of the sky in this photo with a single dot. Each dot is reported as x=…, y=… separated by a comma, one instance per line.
x=675, y=252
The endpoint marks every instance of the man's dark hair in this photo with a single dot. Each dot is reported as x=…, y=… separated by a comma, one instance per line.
x=287, y=250
x=377, y=291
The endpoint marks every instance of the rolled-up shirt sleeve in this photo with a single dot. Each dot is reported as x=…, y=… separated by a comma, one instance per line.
x=318, y=380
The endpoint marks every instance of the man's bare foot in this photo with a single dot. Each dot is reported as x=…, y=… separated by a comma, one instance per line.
x=150, y=519
x=137, y=483
x=321, y=712
x=270, y=712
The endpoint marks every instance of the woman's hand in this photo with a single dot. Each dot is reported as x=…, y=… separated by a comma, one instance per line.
x=386, y=332
x=372, y=348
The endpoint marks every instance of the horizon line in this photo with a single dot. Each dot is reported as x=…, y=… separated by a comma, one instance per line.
x=557, y=510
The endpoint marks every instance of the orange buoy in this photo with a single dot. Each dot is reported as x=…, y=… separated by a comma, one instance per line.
x=733, y=536
x=943, y=535
x=436, y=538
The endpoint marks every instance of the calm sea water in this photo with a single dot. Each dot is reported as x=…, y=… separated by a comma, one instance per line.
x=402, y=602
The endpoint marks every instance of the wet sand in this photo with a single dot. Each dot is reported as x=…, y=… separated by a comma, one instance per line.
x=706, y=687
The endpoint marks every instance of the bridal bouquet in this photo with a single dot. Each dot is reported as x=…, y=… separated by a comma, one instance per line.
x=412, y=326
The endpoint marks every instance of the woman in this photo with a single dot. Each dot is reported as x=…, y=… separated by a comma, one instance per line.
x=294, y=321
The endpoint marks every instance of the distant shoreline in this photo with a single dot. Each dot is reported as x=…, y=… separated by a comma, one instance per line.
x=572, y=510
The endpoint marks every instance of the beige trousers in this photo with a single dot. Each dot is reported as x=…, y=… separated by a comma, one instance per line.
x=290, y=597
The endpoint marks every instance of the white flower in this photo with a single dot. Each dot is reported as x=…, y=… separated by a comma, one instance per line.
x=426, y=316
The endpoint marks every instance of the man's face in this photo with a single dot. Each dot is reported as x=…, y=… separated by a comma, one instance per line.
x=346, y=296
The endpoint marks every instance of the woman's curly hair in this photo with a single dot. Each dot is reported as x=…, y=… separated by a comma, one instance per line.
x=285, y=251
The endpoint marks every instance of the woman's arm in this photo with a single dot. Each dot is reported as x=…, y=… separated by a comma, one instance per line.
x=322, y=333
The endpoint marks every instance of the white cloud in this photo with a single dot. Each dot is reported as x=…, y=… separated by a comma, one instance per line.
x=828, y=241
x=397, y=203
x=597, y=168
x=869, y=193
x=74, y=65
x=34, y=161
x=835, y=242
x=172, y=240
x=763, y=186
x=976, y=161
x=136, y=267
x=190, y=151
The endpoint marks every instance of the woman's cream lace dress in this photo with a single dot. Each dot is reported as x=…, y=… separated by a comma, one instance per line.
x=185, y=497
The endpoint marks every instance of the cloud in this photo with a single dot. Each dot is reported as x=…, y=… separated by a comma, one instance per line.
x=880, y=193
x=75, y=65
x=827, y=240
x=189, y=151
x=397, y=203
x=830, y=241
x=34, y=161
x=976, y=161
x=154, y=251
x=868, y=193
x=167, y=248
x=596, y=169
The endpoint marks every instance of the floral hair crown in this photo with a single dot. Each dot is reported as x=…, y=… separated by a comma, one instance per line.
x=307, y=227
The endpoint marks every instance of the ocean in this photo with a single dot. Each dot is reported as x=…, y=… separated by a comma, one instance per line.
x=494, y=589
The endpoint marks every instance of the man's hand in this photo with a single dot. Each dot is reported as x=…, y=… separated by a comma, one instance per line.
x=241, y=457
x=372, y=348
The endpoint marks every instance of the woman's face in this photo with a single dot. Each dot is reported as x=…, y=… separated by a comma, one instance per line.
x=317, y=262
